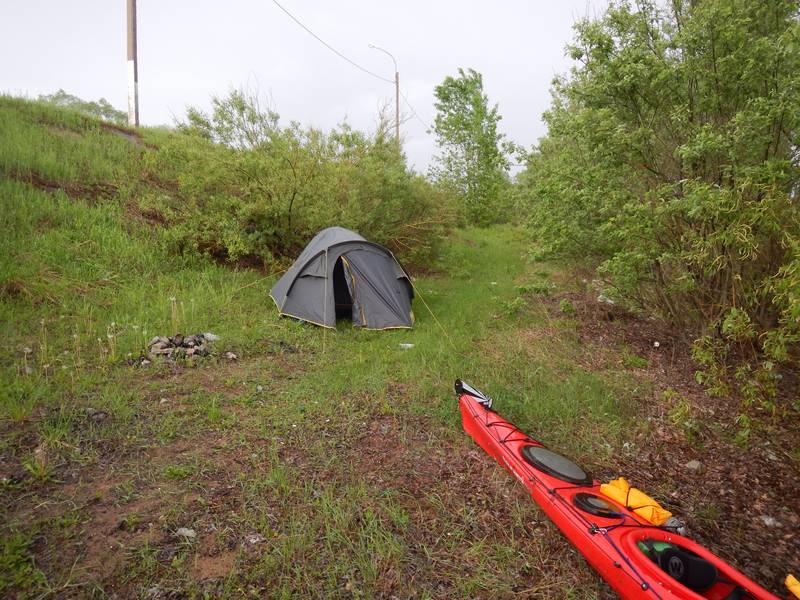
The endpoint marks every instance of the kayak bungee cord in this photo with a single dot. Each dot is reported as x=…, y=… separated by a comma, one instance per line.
x=635, y=556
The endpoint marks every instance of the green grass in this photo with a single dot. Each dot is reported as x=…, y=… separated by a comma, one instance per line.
x=346, y=456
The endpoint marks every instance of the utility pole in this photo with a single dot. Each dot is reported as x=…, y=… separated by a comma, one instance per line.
x=396, y=94
x=397, y=106
x=133, y=68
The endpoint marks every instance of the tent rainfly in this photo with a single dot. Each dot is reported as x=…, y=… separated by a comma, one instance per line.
x=340, y=274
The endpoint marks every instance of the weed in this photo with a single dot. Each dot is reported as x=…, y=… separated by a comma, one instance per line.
x=144, y=561
x=744, y=424
x=126, y=492
x=541, y=288
x=632, y=360
x=513, y=306
x=17, y=566
x=19, y=396
x=38, y=464
x=179, y=472
x=709, y=513
x=566, y=307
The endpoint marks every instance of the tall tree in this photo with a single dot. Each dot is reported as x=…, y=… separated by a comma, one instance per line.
x=471, y=162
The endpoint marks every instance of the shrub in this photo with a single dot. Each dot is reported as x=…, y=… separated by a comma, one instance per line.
x=248, y=189
x=671, y=158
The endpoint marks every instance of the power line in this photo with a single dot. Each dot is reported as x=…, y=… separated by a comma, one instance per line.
x=352, y=62
x=414, y=112
x=329, y=47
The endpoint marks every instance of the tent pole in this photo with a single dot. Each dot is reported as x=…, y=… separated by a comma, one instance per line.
x=325, y=307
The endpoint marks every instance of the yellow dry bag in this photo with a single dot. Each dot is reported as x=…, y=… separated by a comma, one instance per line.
x=793, y=585
x=636, y=500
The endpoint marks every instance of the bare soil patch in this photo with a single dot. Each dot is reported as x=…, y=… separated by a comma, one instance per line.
x=126, y=133
x=88, y=192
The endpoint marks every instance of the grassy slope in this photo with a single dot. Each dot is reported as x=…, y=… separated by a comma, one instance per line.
x=339, y=451
x=346, y=456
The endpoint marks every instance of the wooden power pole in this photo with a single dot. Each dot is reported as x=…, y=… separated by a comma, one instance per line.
x=396, y=93
x=133, y=68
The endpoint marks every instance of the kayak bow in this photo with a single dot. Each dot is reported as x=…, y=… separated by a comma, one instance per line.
x=636, y=558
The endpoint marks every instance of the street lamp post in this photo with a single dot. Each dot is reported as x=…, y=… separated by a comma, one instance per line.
x=396, y=93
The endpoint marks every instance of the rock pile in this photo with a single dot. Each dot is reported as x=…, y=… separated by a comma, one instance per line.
x=180, y=346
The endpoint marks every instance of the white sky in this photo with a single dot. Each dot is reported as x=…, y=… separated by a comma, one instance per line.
x=191, y=50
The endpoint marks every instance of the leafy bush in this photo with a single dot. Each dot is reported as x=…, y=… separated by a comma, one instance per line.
x=671, y=157
x=566, y=307
x=250, y=189
x=102, y=109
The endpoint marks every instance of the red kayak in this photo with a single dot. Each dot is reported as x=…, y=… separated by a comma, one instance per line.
x=636, y=558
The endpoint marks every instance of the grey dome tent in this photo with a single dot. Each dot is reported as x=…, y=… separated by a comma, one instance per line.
x=341, y=274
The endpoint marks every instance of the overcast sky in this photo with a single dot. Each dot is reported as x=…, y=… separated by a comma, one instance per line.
x=191, y=50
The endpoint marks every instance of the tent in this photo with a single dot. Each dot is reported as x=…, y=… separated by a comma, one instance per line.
x=340, y=274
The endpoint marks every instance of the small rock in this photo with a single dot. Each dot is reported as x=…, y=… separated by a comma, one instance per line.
x=255, y=538
x=211, y=337
x=287, y=347
x=656, y=344
x=27, y=350
x=167, y=553
x=769, y=521
x=98, y=416
x=163, y=400
x=177, y=339
x=604, y=299
x=154, y=593
x=186, y=533
x=693, y=465
x=406, y=346
x=145, y=362
x=675, y=524
x=259, y=388
x=231, y=356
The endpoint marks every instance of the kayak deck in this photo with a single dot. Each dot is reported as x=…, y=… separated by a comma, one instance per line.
x=610, y=541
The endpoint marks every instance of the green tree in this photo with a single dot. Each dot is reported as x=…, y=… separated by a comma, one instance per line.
x=101, y=109
x=472, y=162
x=671, y=156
